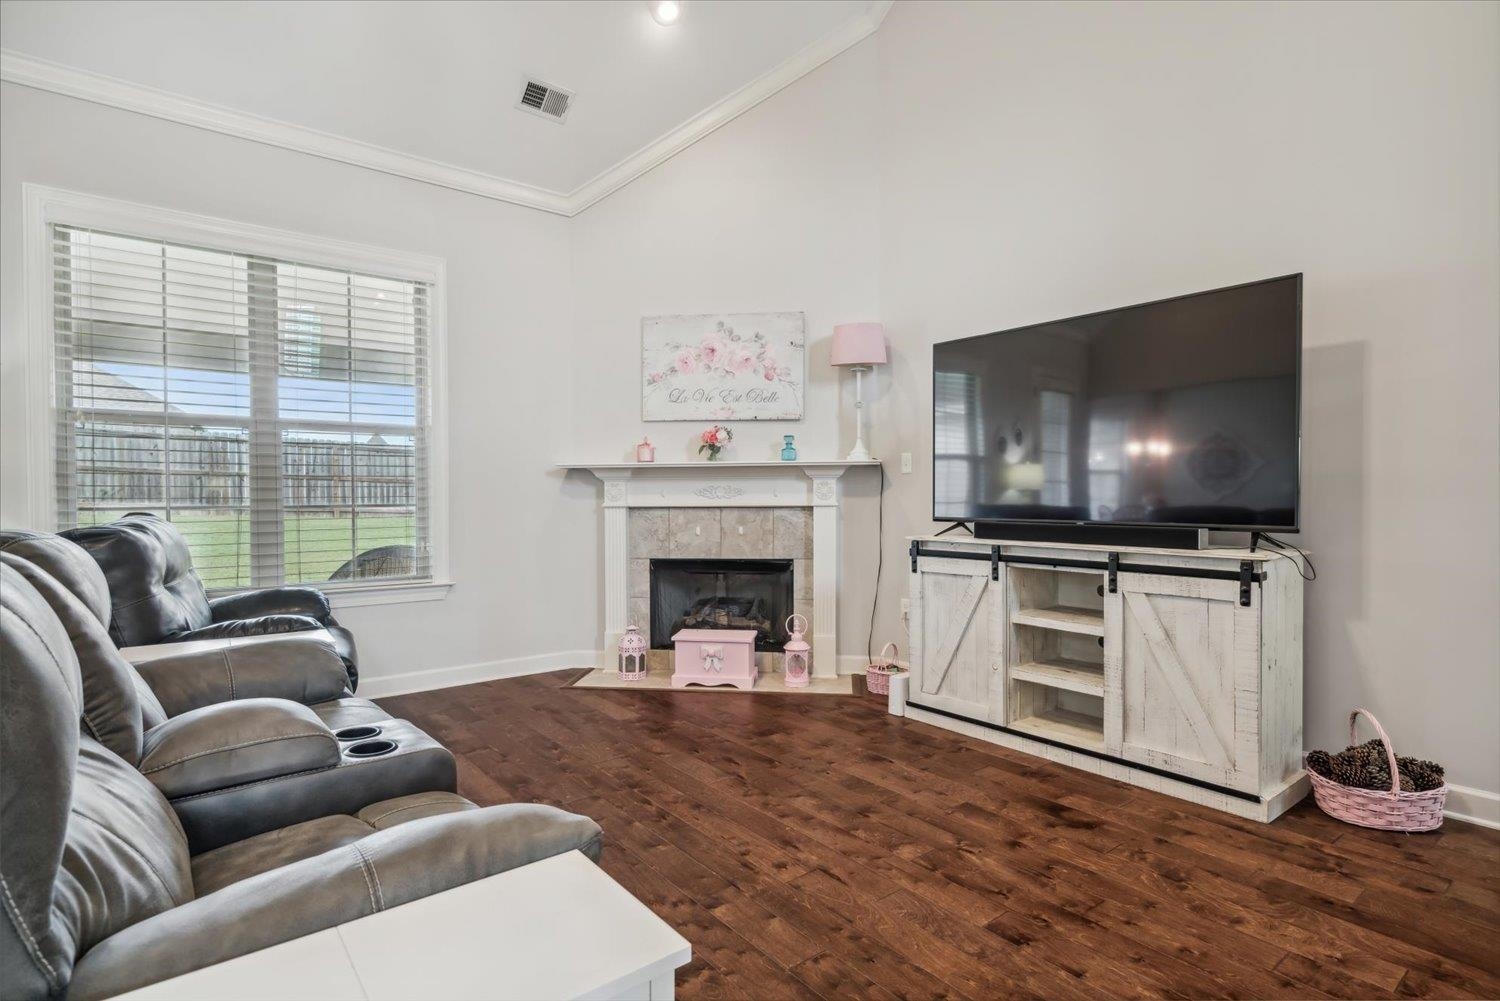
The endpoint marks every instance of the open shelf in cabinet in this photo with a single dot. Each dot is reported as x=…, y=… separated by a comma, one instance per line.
x=1081, y=676
x=1084, y=621
x=1060, y=598
x=1064, y=726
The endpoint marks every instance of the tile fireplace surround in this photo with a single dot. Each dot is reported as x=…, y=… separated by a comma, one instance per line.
x=747, y=510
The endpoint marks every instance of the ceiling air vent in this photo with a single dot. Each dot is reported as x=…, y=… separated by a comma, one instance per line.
x=545, y=100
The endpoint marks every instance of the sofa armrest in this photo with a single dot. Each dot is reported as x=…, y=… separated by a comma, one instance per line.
x=230, y=744
x=383, y=870
x=308, y=601
x=263, y=625
x=301, y=667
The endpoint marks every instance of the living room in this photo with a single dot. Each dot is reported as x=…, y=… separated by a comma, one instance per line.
x=383, y=365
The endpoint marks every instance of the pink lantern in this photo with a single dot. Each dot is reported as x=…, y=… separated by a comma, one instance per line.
x=645, y=451
x=632, y=655
x=796, y=654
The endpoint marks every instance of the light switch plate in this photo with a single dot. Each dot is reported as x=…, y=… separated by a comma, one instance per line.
x=906, y=462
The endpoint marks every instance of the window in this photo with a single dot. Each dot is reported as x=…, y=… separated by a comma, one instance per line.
x=1057, y=418
x=279, y=413
x=955, y=435
x=1106, y=464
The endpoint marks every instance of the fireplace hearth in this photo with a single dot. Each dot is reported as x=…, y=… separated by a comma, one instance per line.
x=721, y=594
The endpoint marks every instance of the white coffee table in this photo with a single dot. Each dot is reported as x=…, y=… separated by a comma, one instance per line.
x=559, y=928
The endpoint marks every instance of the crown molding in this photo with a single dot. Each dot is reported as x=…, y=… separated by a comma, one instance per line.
x=72, y=82
x=41, y=74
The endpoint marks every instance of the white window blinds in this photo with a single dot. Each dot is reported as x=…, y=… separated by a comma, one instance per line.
x=956, y=429
x=278, y=413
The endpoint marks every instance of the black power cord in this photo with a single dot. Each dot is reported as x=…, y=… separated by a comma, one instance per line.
x=1308, y=574
x=879, y=566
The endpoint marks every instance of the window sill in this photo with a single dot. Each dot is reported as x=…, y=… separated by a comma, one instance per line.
x=389, y=594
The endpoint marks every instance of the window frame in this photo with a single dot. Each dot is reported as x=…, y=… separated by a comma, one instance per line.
x=46, y=207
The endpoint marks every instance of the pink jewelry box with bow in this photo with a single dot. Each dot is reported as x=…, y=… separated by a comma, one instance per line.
x=714, y=657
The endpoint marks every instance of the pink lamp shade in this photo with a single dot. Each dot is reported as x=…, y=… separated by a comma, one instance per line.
x=858, y=344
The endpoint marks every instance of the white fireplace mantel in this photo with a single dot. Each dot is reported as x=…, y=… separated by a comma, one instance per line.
x=725, y=484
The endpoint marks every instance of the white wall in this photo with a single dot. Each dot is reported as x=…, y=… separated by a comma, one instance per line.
x=1084, y=156
x=776, y=211
x=517, y=529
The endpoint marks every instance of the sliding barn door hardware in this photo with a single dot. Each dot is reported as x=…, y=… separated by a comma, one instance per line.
x=1245, y=575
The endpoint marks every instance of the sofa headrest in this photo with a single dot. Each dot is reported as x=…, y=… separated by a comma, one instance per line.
x=154, y=590
x=41, y=698
x=66, y=562
x=118, y=706
x=88, y=846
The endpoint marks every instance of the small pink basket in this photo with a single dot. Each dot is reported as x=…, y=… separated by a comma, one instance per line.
x=1384, y=811
x=878, y=674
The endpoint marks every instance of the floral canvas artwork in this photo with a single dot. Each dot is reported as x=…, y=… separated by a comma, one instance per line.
x=723, y=367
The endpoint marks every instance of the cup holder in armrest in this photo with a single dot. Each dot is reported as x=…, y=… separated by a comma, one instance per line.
x=370, y=748
x=357, y=732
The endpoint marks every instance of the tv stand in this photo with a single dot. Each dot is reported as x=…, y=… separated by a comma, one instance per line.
x=1147, y=536
x=1174, y=670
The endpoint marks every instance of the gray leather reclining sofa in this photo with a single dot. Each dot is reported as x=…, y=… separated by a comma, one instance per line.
x=156, y=821
x=157, y=596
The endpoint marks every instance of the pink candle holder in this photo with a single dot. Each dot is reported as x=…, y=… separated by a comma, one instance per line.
x=632, y=664
x=796, y=655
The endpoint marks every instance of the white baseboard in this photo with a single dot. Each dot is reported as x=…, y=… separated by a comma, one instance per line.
x=1477, y=806
x=469, y=674
x=852, y=663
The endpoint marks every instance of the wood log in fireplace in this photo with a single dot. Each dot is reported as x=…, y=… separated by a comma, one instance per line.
x=727, y=612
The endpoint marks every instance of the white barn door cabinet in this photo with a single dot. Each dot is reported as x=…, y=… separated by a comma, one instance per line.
x=1176, y=670
x=960, y=637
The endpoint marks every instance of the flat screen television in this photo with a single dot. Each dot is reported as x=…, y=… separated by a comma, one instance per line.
x=1180, y=414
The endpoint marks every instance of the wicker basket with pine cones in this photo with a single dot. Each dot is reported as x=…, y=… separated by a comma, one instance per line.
x=1369, y=785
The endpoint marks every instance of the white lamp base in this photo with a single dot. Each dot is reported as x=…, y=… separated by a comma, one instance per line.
x=859, y=453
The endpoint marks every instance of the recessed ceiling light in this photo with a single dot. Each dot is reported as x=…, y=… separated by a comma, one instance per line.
x=665, y=12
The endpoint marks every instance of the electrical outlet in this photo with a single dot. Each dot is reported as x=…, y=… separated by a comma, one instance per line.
x=906, y=462
x=905, y=606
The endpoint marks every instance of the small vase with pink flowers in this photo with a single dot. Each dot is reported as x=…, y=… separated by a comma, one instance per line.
x=713, y=440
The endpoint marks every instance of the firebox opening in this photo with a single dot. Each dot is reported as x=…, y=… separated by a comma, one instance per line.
x=721, y=594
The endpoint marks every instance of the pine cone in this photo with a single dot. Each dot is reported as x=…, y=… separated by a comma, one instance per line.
x=1376, y=777
x=1345, y=772
x=1320, y=762
x=1424, y=775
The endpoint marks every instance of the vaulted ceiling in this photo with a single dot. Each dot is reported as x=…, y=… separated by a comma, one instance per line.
x=439, y=81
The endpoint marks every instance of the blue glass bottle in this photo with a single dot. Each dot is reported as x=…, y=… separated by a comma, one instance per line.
x=788, y=450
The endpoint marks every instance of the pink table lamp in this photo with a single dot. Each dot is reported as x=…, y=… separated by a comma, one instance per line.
x=860, y=346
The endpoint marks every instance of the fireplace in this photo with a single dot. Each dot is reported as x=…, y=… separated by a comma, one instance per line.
x=721, y=594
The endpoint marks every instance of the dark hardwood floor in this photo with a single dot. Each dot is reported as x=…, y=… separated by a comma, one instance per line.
x=817, y=847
